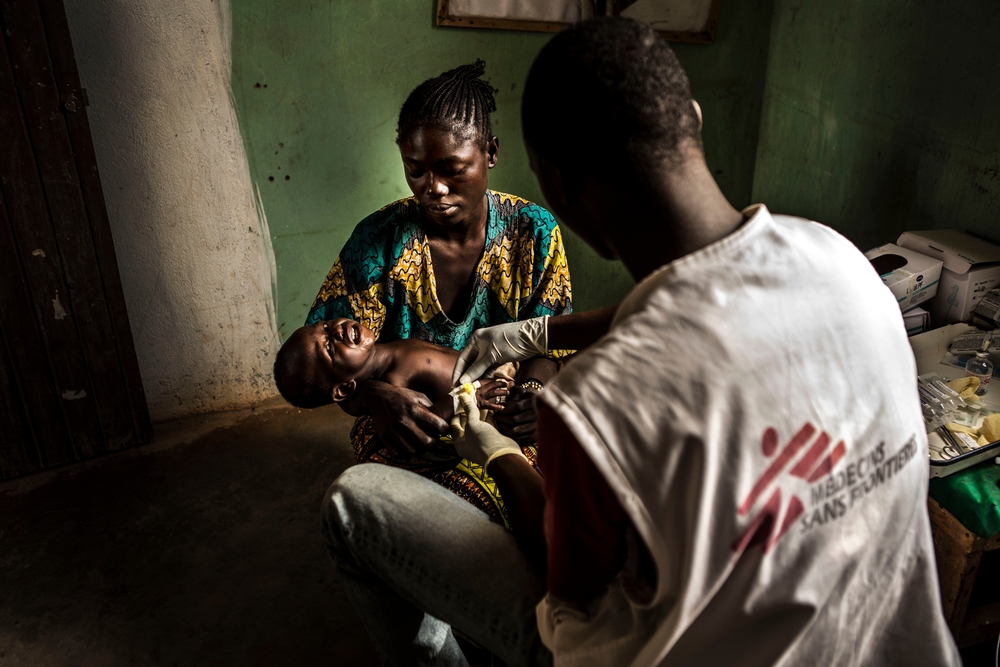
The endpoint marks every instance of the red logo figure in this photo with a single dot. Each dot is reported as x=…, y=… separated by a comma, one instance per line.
x=764, y=527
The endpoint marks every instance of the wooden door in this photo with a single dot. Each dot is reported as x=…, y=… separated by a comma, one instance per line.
x=69, y=380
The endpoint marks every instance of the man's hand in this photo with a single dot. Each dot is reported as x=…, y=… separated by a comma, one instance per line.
x=492, y=346
x=517, y=421
x=476, y=440
x=402, y=418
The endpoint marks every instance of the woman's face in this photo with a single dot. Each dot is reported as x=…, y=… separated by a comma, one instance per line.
x=448, y=173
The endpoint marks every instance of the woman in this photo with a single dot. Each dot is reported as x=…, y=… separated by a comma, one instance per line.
x=453, y=258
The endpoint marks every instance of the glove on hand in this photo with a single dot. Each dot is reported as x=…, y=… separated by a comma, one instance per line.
x=489, y=347
x=474, y=439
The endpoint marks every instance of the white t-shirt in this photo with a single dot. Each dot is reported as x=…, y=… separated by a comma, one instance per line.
x=754, y=408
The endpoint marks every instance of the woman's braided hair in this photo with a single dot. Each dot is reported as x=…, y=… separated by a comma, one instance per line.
x=456, y=100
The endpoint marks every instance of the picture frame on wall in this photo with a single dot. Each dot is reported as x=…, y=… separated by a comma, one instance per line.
x=530, y=15
x=677, y=20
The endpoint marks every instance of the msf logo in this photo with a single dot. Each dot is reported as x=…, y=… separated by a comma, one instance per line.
x=771, y=523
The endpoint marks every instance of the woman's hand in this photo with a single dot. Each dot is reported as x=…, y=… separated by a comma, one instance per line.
x=401, y=417
x=517, y=421
x=518, y=418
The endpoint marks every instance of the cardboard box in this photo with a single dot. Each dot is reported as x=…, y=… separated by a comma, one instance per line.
x=971, y=269
x=917, y=320
x=911, y=276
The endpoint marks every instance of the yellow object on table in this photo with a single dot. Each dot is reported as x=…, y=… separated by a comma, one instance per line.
x=991, y=428
x=955, y=427
x=965, y=387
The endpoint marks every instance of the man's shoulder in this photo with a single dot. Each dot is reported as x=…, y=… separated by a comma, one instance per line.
x=805, y=235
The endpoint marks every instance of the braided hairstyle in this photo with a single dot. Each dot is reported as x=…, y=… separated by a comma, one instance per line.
x=458, y=100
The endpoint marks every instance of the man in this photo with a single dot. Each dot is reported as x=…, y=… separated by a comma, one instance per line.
x=733, y=473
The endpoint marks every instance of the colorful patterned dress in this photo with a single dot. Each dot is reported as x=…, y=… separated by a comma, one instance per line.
x=384, y=279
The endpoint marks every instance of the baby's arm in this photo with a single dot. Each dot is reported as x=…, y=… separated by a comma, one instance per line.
x=487, y=396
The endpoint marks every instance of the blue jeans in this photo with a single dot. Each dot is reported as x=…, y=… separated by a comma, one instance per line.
x=416, y=560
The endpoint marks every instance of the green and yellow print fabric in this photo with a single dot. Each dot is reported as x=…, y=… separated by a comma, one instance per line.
x=384, y=276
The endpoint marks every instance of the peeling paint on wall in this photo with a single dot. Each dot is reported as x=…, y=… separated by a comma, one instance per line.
x=319, y=84
x=881, y=117
x=57, y=308
x=198, y=286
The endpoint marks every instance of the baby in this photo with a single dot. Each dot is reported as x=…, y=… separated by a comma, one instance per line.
x=324, y=363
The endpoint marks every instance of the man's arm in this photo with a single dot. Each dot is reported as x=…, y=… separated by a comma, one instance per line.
x=577, y=331
x=518, y=341
x=584, y=523
x=523, y=496
x=569, y=523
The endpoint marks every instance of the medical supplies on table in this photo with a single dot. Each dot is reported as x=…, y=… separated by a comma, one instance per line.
x=971, y=269
x=986, y=314
x=912, y=277
x=962, y=429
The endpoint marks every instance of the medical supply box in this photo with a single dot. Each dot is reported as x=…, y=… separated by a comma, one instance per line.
x=971, y=269
x=917, y=320
x=911, y=276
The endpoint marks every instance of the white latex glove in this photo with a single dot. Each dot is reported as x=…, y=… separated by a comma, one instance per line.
x=489, y=347
x=473, y=438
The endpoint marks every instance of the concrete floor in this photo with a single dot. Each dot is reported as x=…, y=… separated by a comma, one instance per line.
x=201, y=548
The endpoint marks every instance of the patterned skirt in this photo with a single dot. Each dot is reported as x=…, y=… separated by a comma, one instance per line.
x=464, y=478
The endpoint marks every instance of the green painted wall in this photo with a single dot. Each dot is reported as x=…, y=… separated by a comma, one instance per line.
x=883, y=116
x=727, y=79
x=318, y=85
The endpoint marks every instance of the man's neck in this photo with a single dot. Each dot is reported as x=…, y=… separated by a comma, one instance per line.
x=684, y=211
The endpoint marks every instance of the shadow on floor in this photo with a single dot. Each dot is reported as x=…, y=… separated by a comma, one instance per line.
x=202, y=548
x=199, y=549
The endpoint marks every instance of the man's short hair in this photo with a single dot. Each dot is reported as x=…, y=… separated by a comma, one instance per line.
x=609, y=95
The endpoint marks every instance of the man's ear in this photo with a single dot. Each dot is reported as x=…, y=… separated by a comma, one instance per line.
x=563, y=184
x=492, y=152
x=697, y=112
x=556, y=187
x=342, y=392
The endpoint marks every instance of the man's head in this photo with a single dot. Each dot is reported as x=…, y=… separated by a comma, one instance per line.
x=607, y=98
x=324, y=362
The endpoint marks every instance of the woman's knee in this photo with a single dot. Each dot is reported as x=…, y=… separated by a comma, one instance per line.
x=360, y=503
x=344, y=506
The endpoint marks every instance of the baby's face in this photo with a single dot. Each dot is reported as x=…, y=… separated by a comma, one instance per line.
x=340, y=347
